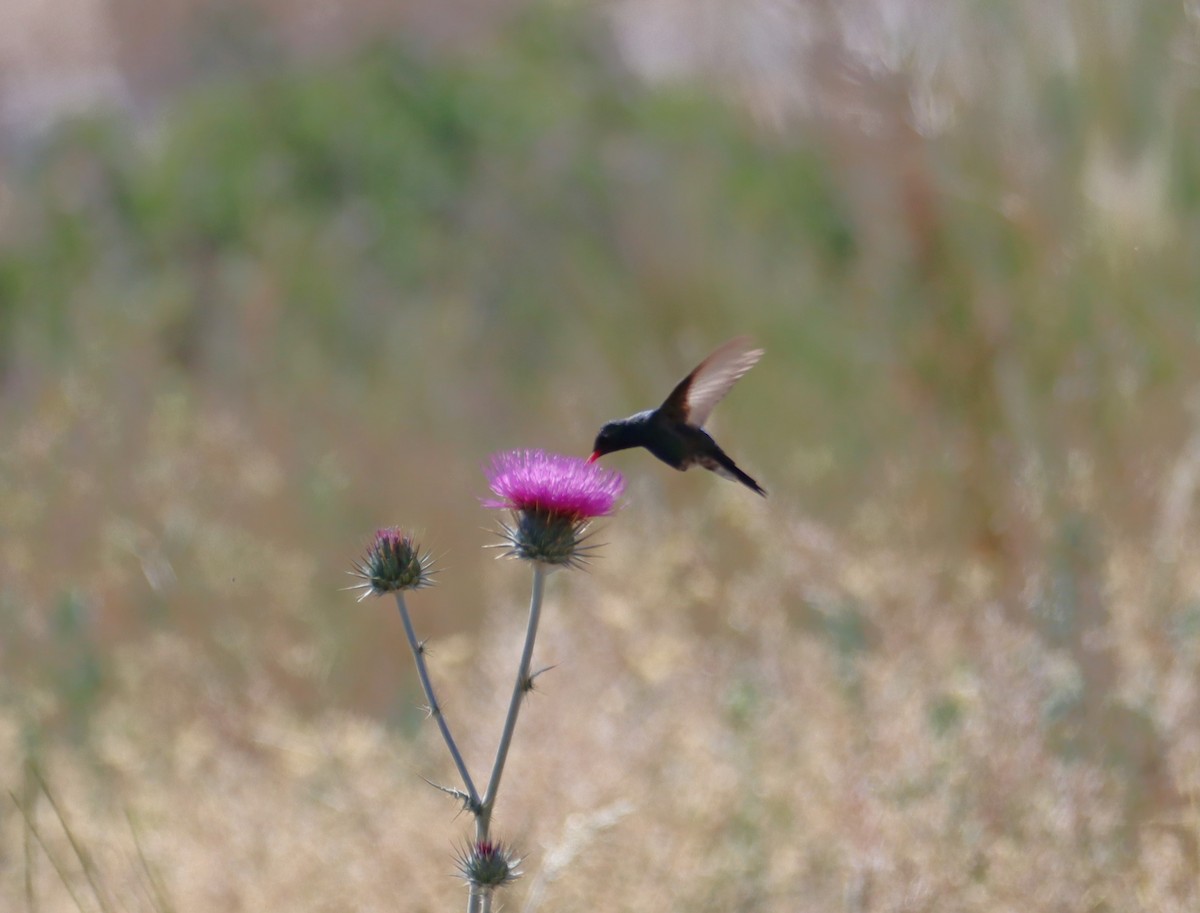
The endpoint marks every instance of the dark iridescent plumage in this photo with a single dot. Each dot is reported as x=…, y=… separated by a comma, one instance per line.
x=674, y=431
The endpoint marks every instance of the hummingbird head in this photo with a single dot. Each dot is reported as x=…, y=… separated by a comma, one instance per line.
x=618, y=435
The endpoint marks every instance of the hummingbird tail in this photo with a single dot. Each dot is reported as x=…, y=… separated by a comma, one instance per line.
x=727, y=468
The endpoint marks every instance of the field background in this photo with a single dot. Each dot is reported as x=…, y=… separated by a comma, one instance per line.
x=272, y=276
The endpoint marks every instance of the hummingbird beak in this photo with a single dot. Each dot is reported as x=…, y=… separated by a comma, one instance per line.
x=595, y=456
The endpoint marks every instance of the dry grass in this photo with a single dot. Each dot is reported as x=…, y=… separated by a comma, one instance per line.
x=866, y=734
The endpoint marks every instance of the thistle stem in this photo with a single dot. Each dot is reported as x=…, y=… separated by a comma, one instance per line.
x=435, y=709
x=483, y=819
x=480, y=900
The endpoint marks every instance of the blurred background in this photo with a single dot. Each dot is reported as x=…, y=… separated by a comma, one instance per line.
x=273, y=275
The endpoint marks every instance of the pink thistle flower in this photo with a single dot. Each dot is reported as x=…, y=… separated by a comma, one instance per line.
x=552, y=498
x=552, y=483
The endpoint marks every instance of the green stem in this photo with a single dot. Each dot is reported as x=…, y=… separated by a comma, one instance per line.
x=418, y=652
x=519, y=688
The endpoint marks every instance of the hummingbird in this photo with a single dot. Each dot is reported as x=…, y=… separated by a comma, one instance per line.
x=674, y=432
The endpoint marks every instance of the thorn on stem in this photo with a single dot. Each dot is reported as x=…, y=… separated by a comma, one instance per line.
x=464, y=798
x=528, y=685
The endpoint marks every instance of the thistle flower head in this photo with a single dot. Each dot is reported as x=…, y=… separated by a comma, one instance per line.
x=553, y=498
x=392, y=562
x=488, y=864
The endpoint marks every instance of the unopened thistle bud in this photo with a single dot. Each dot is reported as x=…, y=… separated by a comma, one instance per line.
x=553, y=499
x=392, y=562
x=488, y=864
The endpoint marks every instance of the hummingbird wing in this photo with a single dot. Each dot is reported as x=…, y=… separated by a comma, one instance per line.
x=694, y=399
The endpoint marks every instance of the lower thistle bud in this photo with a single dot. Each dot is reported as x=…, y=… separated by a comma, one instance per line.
x=487, y=864
x=393, y=562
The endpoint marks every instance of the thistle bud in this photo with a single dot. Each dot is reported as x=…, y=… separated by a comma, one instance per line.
x=488, y=864
x=392, y=562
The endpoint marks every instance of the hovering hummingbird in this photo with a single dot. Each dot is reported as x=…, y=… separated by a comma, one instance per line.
x=674, y=432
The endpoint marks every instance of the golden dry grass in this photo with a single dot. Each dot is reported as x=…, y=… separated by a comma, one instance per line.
x=856, y=731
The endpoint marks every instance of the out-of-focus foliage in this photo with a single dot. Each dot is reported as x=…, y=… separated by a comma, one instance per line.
x=370, y=193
